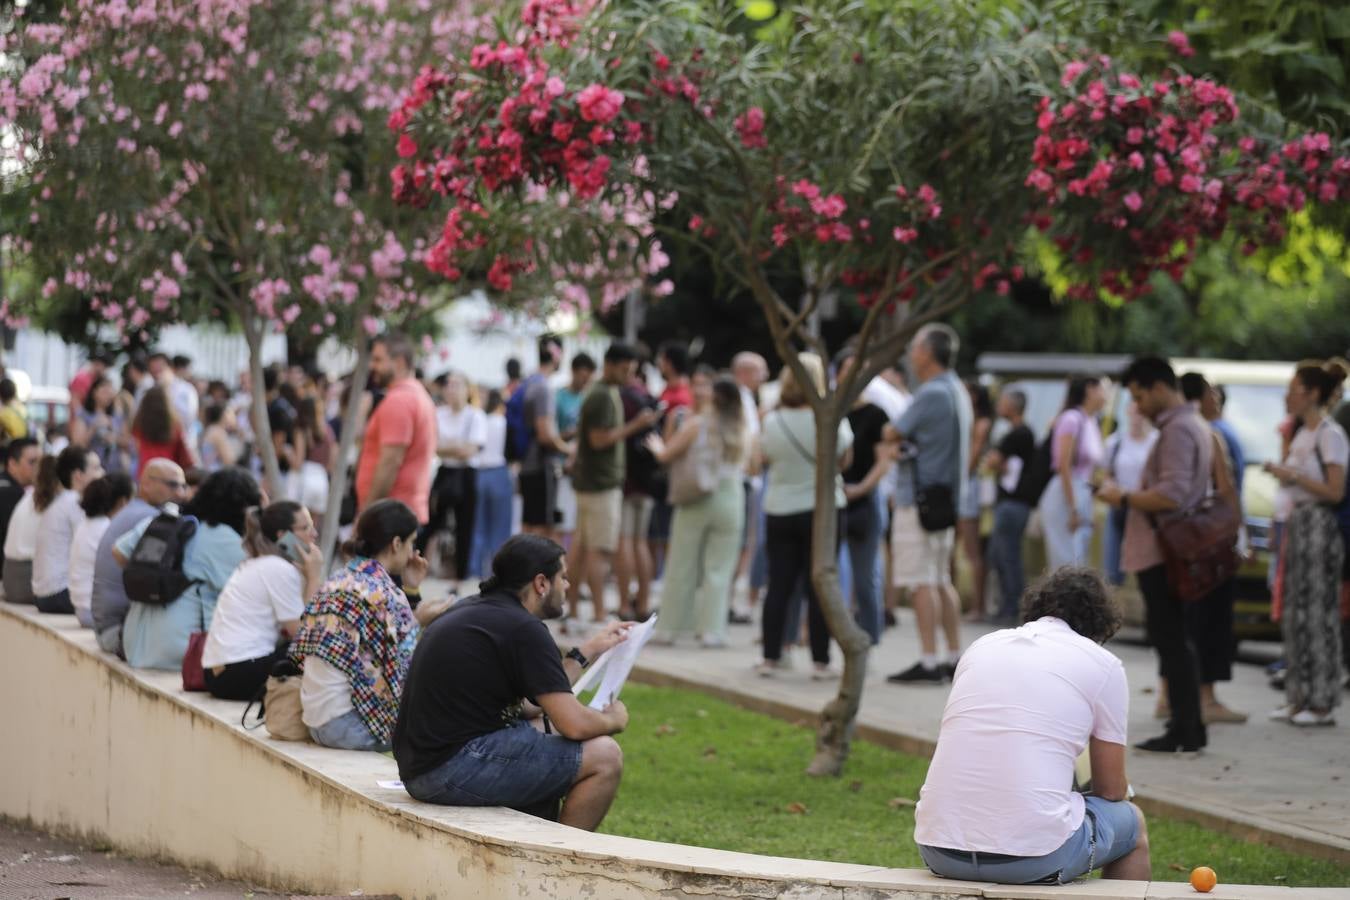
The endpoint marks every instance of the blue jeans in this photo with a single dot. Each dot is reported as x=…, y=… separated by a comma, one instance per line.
x=347, y=732
x=518, y=767
x=1111, y=543
x=862, y=530
x=1109, y=832
x=491, y=519
x=1005, y=554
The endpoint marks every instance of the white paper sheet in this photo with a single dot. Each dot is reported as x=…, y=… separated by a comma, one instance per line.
x=615, y=664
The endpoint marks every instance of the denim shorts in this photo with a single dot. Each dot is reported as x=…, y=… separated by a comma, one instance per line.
x=1109, y=832
x=347, y=732
x=517, y=767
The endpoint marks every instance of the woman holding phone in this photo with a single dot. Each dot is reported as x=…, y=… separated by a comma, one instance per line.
x=261, y=605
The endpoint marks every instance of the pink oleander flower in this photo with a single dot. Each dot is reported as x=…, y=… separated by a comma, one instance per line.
x=599, y=103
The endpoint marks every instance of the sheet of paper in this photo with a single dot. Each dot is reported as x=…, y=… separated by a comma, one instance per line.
x=390, y=785
x=613, y=666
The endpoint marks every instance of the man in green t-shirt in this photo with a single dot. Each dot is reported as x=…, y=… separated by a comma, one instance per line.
x=598, y=475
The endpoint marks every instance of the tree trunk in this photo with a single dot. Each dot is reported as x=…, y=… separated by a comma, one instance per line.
x=835, y=733
x=262, y=427
x=337, y=478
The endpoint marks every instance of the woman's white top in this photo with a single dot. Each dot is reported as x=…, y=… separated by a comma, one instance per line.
x=83, y=549
x=493, y=454
x=56, y=531
x=1327, y=438
x=261, y=594
x=21, y=541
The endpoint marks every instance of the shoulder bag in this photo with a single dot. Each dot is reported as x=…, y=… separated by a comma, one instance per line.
x=936, y=503
x=693, y=475
x=1199, y=546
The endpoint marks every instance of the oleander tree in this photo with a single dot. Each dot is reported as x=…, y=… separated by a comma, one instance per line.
x=229, y=160
x=907, y=155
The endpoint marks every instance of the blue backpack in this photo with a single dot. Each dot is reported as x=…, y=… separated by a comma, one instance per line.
x=519, y=433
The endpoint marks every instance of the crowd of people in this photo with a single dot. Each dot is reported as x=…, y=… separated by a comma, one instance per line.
x=149, y=523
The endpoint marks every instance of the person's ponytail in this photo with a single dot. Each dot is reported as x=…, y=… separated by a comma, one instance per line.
x=378, y=526
x=521, y=559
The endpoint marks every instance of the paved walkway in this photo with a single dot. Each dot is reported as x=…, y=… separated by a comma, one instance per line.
x=1263, y=780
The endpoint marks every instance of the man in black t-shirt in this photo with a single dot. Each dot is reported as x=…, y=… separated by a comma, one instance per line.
x=865, y=517
x=486, y=692
x=1012, y=460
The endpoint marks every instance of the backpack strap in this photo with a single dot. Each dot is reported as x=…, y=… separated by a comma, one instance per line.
x=792, y=439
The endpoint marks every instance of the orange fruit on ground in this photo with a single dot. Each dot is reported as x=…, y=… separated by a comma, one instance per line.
x=1203, y=879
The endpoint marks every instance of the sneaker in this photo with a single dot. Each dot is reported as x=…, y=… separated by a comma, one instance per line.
x=1167, y=743
x=824, y=672
x=1212, y=713
x=767, y=668
x=712, y=642
x=662, y=640
x=739, y=618
x=1305, y=718
x=948, y=670
x=917, y=674
x=1282, y=714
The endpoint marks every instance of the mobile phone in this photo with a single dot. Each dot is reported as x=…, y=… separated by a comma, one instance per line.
x=290, y=546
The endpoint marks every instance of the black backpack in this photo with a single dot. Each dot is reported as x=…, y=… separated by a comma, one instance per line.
x=154, y=573
x=1039, y=471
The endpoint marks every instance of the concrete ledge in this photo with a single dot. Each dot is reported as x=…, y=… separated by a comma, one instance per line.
x=94, y=749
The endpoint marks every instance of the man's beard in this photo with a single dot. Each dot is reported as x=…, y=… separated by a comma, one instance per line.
x=551, y=606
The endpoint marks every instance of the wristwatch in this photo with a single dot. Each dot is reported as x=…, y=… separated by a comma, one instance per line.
x=579, y=657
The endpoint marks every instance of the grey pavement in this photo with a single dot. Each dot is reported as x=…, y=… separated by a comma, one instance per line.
x=38, y=866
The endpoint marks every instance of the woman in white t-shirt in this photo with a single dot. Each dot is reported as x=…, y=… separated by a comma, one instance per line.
x=103, y=498
x=1312, y=479
x=788, y=446
x=1127, y=451
x=58, y=500
x=260, y=606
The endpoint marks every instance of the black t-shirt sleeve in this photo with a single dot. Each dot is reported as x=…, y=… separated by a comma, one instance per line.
x=538, y=666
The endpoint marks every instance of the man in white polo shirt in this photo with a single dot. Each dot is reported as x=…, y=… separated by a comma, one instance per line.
x=999, y=804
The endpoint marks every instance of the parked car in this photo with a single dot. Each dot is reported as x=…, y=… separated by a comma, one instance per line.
x=1255, y=409
x=48, y=407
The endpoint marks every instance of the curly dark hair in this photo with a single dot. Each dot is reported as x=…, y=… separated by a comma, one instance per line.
x=224, y=499
x=1079, y=597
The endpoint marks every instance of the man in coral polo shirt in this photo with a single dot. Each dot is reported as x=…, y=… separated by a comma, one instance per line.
x=399, y=446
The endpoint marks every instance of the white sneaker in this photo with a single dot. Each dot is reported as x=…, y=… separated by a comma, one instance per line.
x=767, y=668
x=1283, y=714
x=712, y=642
x=824, y=672
x=1307, y=718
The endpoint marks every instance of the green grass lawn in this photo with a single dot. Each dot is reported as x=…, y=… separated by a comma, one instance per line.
x=703, y=772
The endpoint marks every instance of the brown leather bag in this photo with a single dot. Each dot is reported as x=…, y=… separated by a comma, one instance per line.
x=1200, y=548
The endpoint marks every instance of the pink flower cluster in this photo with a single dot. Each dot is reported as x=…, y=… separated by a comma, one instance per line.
x=512, y=125
x=1150, y=166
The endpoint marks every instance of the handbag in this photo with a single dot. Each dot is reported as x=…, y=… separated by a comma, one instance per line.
x=280, y=707
x=693, y=475
x=1199, y=547
x=194, y=676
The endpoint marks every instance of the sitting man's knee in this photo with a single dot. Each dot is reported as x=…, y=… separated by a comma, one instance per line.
x=605, y=756
x=1142, y=840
